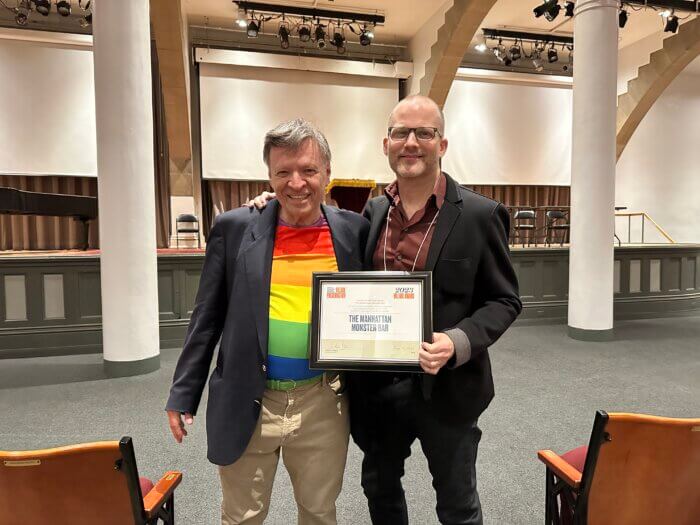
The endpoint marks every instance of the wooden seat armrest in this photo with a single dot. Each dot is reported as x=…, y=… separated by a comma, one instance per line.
x=159, y=494
x=560, y=467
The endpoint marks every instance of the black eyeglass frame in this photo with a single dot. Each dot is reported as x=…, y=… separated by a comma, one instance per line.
x=436, y=131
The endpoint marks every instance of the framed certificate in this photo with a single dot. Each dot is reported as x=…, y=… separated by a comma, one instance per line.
x=370, y=320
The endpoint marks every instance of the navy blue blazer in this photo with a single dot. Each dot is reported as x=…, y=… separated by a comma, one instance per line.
x=233, y=303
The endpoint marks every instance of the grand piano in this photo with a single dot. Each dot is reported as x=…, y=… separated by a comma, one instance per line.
x=20, y=202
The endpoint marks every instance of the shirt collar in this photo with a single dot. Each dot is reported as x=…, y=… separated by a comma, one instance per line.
x=439, y=190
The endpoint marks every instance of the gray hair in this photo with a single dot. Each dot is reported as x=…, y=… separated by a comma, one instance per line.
x=291, y=135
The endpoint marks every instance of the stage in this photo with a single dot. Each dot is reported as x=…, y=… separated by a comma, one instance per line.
x=50, y=300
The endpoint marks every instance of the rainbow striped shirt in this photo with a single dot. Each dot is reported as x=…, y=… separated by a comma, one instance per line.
x=298, y=252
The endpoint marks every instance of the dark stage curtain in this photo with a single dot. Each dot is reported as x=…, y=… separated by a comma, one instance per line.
x=34, y=232
x=219, y=196
x=161, y=156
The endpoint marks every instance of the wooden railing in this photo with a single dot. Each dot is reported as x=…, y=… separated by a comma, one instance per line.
x=644, y=217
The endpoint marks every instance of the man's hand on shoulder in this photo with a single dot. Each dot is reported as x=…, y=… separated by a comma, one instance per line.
x=433, y=356
x=261, y=200
x=177, y=425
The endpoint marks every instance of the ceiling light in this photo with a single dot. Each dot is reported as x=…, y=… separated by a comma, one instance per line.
x=339, y=40
x=283, y=34
x=63, y=7
x=622, y=18
x=304, y=33
x=569, y=9
x=666, y=13
x=43, y=7
x=671, y=24
x=537, y=62
x=320, y=36
x=366, y=36
x=481, y=47
x=552, y=55
x=515, y=52
x=550, y=9
x=242, y=19
x=21, y=18
x=253, y=28
x=501, y=55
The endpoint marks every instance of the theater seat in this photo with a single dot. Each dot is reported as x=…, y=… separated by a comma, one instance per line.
x=636, y=470
x=91, y=483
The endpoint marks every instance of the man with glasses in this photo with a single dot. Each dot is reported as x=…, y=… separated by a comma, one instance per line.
x=426, y=221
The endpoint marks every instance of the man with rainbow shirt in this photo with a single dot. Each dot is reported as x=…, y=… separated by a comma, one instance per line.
x=255, y=294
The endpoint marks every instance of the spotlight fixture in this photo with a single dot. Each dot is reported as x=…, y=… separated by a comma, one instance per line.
x=86, y=20
x=253, y=28
x=515, y=53
x=550, y=9
x=366, y=36
x=304, y=33
x=242, y=19
x=63, y=7
x=552, y=55
x=43, y=7
x=569, y=9
x=671, y=24
x=21, y=18
x=339, y=40
x=320, y=36
x=501, y=55
x=283, y=34
x=622, y=18
x=537, y=62
x=481, y=47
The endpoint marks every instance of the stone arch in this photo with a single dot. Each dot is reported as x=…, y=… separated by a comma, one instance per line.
x=653, y=78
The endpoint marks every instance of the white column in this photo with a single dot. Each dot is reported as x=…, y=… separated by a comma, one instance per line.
x=591, y=268
x=128, y=264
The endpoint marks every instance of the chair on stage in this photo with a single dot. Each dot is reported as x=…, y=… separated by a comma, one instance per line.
x=524, y=224
x=556, y=221
x=83, y=484
x=636, y=470
x=186, y=223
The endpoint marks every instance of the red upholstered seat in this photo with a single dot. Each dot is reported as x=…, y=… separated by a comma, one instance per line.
x=146, y=485
x=576, y=458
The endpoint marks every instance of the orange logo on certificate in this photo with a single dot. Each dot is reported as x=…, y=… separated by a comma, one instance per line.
x=335, y=292
x=404, y=293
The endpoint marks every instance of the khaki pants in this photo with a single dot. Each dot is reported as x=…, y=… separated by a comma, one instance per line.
x=309, y=426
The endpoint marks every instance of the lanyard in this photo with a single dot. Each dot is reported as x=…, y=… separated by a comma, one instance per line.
x=420, y=247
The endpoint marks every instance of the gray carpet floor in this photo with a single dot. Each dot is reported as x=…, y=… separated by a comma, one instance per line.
x=547, y=390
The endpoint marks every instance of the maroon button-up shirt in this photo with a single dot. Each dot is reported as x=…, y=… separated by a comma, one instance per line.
x=404, y=235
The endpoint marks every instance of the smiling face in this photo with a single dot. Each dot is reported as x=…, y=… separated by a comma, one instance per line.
x=299, y=178
x=413, y=158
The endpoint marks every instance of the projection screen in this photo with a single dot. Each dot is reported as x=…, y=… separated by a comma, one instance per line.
x=48, y=110
x=239, y=104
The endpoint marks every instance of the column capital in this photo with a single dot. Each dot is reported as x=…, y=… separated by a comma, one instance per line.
x=582, y=6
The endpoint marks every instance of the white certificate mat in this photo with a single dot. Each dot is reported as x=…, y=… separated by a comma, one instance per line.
x=371, y=321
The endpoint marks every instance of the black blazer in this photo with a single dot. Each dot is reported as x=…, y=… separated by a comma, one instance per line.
x=233, y=303
x=474, y=289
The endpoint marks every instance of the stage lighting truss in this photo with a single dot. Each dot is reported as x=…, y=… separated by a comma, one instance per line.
x=666, y=8
x=310, y=25
x=23, y=9
x=509, y=47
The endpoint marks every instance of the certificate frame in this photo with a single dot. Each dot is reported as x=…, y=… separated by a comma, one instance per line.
x=319, y=358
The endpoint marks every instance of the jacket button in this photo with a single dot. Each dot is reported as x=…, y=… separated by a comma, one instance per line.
x=264, y=368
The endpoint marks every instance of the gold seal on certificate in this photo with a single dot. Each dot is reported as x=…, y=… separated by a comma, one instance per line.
x=370, y=320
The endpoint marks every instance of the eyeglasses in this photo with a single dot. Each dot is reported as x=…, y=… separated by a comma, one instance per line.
x=424, y=134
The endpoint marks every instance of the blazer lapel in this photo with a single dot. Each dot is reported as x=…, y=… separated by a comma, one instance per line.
x=378, y=220
x=449, y=213
x=341, y=235
x=257, y=256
